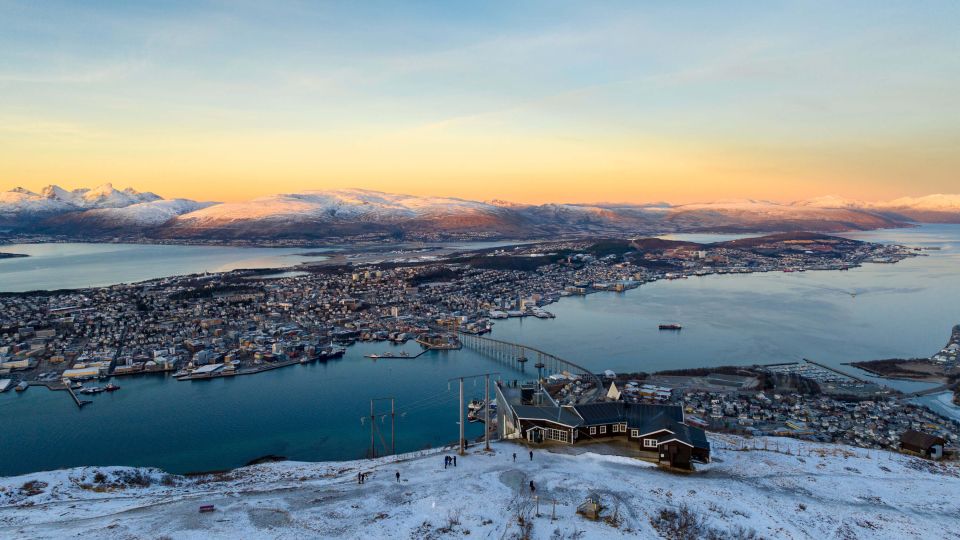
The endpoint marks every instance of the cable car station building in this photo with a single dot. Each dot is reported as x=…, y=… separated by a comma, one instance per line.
x=659, y=433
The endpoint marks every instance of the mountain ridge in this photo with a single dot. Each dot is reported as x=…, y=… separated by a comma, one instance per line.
x=325, y=214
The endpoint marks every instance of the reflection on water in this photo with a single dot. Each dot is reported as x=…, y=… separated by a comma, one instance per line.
x=76, y=265
x=316, y=412
x=900, y=310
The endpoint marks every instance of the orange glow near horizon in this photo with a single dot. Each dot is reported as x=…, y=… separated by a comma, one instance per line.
x=531, y=103
x=525, y=170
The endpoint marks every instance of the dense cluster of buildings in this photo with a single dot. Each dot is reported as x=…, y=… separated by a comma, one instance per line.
x=246, y=320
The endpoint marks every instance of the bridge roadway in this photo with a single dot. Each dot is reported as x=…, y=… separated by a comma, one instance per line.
x=524, y=358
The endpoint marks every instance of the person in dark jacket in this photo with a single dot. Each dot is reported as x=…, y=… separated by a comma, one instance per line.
x=531, y=455
x=398, y=477
x=532, y=488
x=446, y=461
x=454, y=461
x=514, y=457
x=359, y=477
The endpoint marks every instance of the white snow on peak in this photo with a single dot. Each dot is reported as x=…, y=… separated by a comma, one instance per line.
x=54, y=198
x=147, y=214
x=938, y=202
x=355, y=204
x=830, y=201
x=732, y=204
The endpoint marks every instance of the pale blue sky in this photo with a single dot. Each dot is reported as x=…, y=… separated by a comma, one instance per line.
x=861, y=93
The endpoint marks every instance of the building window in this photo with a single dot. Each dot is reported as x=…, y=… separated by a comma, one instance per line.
x=623, y=428
x=635, y=433
x=556, y=435
x=649, y=443
x=593, y=431
x=603, y=429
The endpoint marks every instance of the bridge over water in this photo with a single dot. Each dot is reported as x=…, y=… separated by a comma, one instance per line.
x=531, y=360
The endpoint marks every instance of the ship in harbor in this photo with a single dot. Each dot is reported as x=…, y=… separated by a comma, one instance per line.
x=670, y=327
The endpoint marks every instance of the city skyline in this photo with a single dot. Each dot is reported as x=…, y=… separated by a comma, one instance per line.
x=575, y=103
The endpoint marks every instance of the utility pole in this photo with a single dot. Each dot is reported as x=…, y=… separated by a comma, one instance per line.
x=373, y=427
x=463, y=445
x=463, y=440
x=486, y=411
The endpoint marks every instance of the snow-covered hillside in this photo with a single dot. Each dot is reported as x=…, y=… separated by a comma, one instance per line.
x=145, y=214
x=938, y=202
x=56, y=199
x=344, y=212
x=83, y=211
x=348, y=204
x=791, y=490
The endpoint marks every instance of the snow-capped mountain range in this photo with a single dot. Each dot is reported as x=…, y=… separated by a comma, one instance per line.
x=56, y=199
x=347, y=212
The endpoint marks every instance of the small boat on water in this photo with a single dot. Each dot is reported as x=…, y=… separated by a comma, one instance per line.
x=92, y=390
x=477, y=413
x=670, y=327
x=110, y=387
x=331, y=353
x=22, y=386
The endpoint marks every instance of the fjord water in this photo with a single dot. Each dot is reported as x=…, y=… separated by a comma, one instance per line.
x=54, y=266
x=316, y=411
x=901, y=310
x=76, y=265
x=313, y=412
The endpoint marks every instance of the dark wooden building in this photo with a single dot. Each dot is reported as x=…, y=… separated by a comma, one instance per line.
x=923, y=444
x=659, y=431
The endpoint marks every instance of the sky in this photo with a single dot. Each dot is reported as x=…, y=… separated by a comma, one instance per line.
x=525, y=101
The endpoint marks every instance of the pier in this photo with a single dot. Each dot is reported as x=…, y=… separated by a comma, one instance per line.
x=523, y=358
x=80, y=402
x=54, y=387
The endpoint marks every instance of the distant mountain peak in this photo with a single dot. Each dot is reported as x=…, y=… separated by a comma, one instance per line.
x=830, y=201
x=333, y=213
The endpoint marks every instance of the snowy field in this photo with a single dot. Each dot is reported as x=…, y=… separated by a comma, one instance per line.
x=791, y=489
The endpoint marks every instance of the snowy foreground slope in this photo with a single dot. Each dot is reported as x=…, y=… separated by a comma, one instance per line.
x=799, y=490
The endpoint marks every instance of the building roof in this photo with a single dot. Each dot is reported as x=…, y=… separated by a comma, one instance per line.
x=560, y=415
x=920, y=440
x=602, y=413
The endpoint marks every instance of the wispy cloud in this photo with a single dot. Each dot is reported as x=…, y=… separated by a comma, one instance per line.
x=103, y=73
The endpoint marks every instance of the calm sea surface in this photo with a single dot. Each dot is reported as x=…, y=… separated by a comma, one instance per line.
x=314, y=412
x=76, y=265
